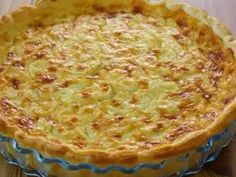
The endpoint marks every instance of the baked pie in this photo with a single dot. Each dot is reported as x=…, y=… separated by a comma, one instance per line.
x=114, y=81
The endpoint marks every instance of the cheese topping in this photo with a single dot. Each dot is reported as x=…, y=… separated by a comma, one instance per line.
x=116, y=81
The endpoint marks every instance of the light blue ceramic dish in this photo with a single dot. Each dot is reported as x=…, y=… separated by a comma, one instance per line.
x=184, y=164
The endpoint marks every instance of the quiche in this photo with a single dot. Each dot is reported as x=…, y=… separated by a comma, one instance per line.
x=114, y=81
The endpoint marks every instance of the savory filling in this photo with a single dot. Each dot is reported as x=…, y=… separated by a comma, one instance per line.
x=116, y=81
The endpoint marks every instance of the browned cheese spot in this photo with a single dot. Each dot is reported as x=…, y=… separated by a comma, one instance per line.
x=45, y=78
x=15, y=83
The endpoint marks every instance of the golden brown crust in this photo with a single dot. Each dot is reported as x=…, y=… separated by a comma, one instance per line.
x=191, y=141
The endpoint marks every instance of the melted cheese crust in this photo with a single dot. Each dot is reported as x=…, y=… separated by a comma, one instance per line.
x=116, y=81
